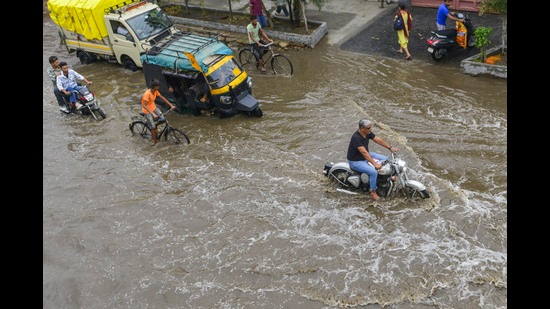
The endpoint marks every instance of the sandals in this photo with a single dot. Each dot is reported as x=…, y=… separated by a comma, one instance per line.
x=374, y=196
x=408, y=58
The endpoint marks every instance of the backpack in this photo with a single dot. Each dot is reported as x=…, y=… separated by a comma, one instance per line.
x=398, y=23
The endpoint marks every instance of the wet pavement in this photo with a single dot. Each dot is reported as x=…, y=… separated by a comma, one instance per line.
x=379, y=38
x=243, y=216
x=364, y=27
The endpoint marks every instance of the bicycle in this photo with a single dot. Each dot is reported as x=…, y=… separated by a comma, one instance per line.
x=280, y=64
x=139, y=126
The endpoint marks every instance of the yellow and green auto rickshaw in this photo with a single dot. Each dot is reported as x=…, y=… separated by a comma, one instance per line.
x=199, y=73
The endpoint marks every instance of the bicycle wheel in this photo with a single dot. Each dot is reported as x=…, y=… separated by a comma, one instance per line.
x=177, y=136
x=281, y=65
x=247, y=59
x=140, y=127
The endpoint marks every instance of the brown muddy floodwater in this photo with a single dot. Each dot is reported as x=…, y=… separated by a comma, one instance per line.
x=243, y=216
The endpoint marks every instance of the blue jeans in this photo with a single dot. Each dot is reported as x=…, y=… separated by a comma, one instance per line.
x=72, y=97
x=262, y=20
x=59, y=96
x=363, y=166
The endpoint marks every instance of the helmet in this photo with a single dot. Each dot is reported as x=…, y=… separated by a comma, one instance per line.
x=460, y=15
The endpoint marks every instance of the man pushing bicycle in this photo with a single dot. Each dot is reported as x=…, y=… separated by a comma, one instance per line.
x=254, y=31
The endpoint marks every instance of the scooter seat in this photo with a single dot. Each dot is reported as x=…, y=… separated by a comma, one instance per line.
x=447, y=33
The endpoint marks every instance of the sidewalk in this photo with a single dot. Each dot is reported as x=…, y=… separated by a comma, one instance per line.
x=344, y=18
x=361, y=26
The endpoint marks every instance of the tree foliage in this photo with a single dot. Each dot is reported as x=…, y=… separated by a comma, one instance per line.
x=482, y=40
x=497, y=7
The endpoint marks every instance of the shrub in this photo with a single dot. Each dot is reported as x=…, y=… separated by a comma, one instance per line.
x=482, y=40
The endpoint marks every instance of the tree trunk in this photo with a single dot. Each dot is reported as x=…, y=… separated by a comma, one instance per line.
x=504, y=32
x=305, y=18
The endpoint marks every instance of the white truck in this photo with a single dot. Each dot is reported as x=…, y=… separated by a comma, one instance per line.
x=113, y=30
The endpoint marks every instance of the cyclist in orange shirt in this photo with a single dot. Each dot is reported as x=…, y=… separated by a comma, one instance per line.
x=150, y=109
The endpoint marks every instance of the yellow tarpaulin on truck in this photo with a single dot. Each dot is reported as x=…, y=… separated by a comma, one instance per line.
x=83, y=16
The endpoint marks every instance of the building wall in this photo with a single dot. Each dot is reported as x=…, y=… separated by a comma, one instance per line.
x=459, y=5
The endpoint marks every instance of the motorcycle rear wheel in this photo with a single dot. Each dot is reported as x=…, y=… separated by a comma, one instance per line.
x=340, y=177
x=438, y=54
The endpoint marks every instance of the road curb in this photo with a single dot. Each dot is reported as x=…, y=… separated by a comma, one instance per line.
x=310, y=40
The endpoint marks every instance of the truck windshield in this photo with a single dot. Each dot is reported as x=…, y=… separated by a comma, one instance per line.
x=150, y=23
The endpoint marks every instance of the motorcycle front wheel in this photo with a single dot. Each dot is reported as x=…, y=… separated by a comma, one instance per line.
x=472, y=41
x=412, y=192
x=100, y=113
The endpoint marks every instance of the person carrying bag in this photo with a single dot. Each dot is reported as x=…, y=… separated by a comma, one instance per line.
x=403, y=24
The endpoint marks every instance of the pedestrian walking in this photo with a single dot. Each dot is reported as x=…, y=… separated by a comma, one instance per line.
x=257, y=9
x=281, y=6
x=443, y=13
x=403, y=35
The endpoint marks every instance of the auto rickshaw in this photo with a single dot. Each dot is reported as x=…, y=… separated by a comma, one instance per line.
x=200, y=74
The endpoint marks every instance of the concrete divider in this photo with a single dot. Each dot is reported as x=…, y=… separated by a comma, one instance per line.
x=309, y=40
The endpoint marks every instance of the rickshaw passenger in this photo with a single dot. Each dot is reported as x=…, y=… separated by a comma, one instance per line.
x=202, y=88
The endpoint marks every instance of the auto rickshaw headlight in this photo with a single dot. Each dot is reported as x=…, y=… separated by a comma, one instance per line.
x=249, y=81
x=225, y=99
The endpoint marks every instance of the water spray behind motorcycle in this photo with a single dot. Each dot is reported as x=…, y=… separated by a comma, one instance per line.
x=392, y=179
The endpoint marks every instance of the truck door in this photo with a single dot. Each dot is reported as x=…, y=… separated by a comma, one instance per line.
x=124, y=43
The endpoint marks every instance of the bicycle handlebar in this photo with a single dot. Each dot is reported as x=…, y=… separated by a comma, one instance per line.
x=268, y=44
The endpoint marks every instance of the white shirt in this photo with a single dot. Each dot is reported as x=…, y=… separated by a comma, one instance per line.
x=63, y=82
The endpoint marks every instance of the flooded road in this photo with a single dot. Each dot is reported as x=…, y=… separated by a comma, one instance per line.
x=243, y=216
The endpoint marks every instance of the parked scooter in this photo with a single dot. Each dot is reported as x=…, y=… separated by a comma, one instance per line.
x=392, y=178
x=441, y=42
x=86, y=103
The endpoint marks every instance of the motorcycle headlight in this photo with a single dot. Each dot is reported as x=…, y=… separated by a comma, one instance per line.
x=402, y=165
x=249, y=81
x=385, y=170
x=88, y=97
x=225, y=99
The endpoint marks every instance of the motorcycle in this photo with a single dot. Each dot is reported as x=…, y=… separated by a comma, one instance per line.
x=441, y=42
x=392, y=178
x=86, y=103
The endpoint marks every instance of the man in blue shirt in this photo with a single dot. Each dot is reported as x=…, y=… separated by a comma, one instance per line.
x=443, y=14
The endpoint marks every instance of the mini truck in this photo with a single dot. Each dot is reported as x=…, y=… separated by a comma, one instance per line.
x=139, y=34
x=113, y=30
x=191, y=67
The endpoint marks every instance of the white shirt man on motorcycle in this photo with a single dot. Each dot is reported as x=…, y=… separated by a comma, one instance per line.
x=67, y=82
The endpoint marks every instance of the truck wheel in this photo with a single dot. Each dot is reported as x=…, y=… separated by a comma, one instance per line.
x=130, y=65
x=84, y=58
